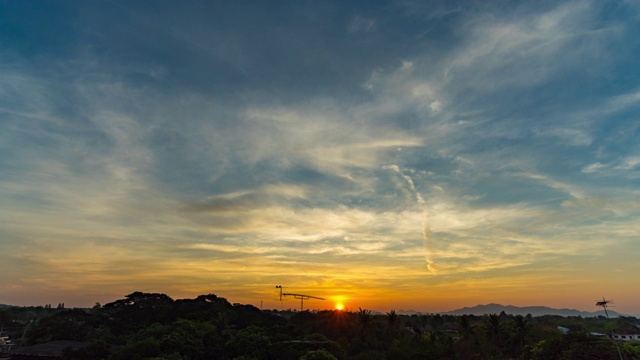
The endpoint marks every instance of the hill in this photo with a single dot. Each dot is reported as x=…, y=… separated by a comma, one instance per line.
x=533, y=310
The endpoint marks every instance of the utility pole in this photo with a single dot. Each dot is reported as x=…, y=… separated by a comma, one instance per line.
x=604, y=303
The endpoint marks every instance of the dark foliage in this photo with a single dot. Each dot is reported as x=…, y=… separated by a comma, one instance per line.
x=154, y=326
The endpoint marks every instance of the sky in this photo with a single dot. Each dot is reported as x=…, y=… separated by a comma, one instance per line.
x=423, y=155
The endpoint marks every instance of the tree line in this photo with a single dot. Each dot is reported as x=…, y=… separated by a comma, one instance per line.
x=155, y=326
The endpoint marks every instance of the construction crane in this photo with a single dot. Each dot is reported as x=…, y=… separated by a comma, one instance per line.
x=301, y=297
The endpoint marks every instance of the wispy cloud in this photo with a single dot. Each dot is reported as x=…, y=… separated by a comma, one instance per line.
x=256, y=148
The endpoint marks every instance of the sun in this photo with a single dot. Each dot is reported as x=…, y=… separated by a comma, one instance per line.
x=339, y=307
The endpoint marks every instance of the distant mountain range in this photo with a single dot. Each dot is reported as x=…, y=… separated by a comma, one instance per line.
x=517, y=310
x=533, y=310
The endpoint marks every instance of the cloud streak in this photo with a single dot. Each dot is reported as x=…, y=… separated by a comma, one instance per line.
x=242, y=147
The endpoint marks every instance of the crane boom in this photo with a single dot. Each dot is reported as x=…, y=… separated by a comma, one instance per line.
x=301, y=297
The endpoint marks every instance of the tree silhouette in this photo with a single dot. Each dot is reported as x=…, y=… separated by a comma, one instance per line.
x=493, y=326
x=521, y=328
x=392, y=319
x=365, y=321
x=465, y=328
x=466, y=346
x=493, y=332
x=320, y=354
x=153, y=326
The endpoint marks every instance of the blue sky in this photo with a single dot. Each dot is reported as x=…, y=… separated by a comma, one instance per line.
x=424, y=155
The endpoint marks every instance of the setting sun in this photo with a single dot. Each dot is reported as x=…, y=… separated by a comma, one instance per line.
x=339, y=307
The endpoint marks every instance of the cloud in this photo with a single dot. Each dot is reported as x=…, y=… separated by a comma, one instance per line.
x=322, y=137
x=592, y=168
x=361, y=24
x=209, y=153
x=528, y=48
x=623, y=101
x=631, y=162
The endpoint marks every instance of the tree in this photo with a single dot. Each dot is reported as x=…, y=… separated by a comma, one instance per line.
x=465, y=328
x=365, y=320
x=320, y=354
x=140, y=300
x=493, y=332
x=466, y=346
x=137, y=310
x=493, y=327
x=6, y=317
x=251, y=341
x=392, y=318
x=71, y=324
x=573, y=346
x=392, y=324
x=521, y=327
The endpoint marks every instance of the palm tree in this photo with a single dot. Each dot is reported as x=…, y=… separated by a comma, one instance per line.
x=465, y=329
x=466, y=346
x=417, y=332
x=392, y=324
x=365, y=320
x=392, y=319
x=493, y=326
x=521, y=329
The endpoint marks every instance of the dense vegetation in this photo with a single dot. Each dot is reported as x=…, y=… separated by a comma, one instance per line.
x=154, y=326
